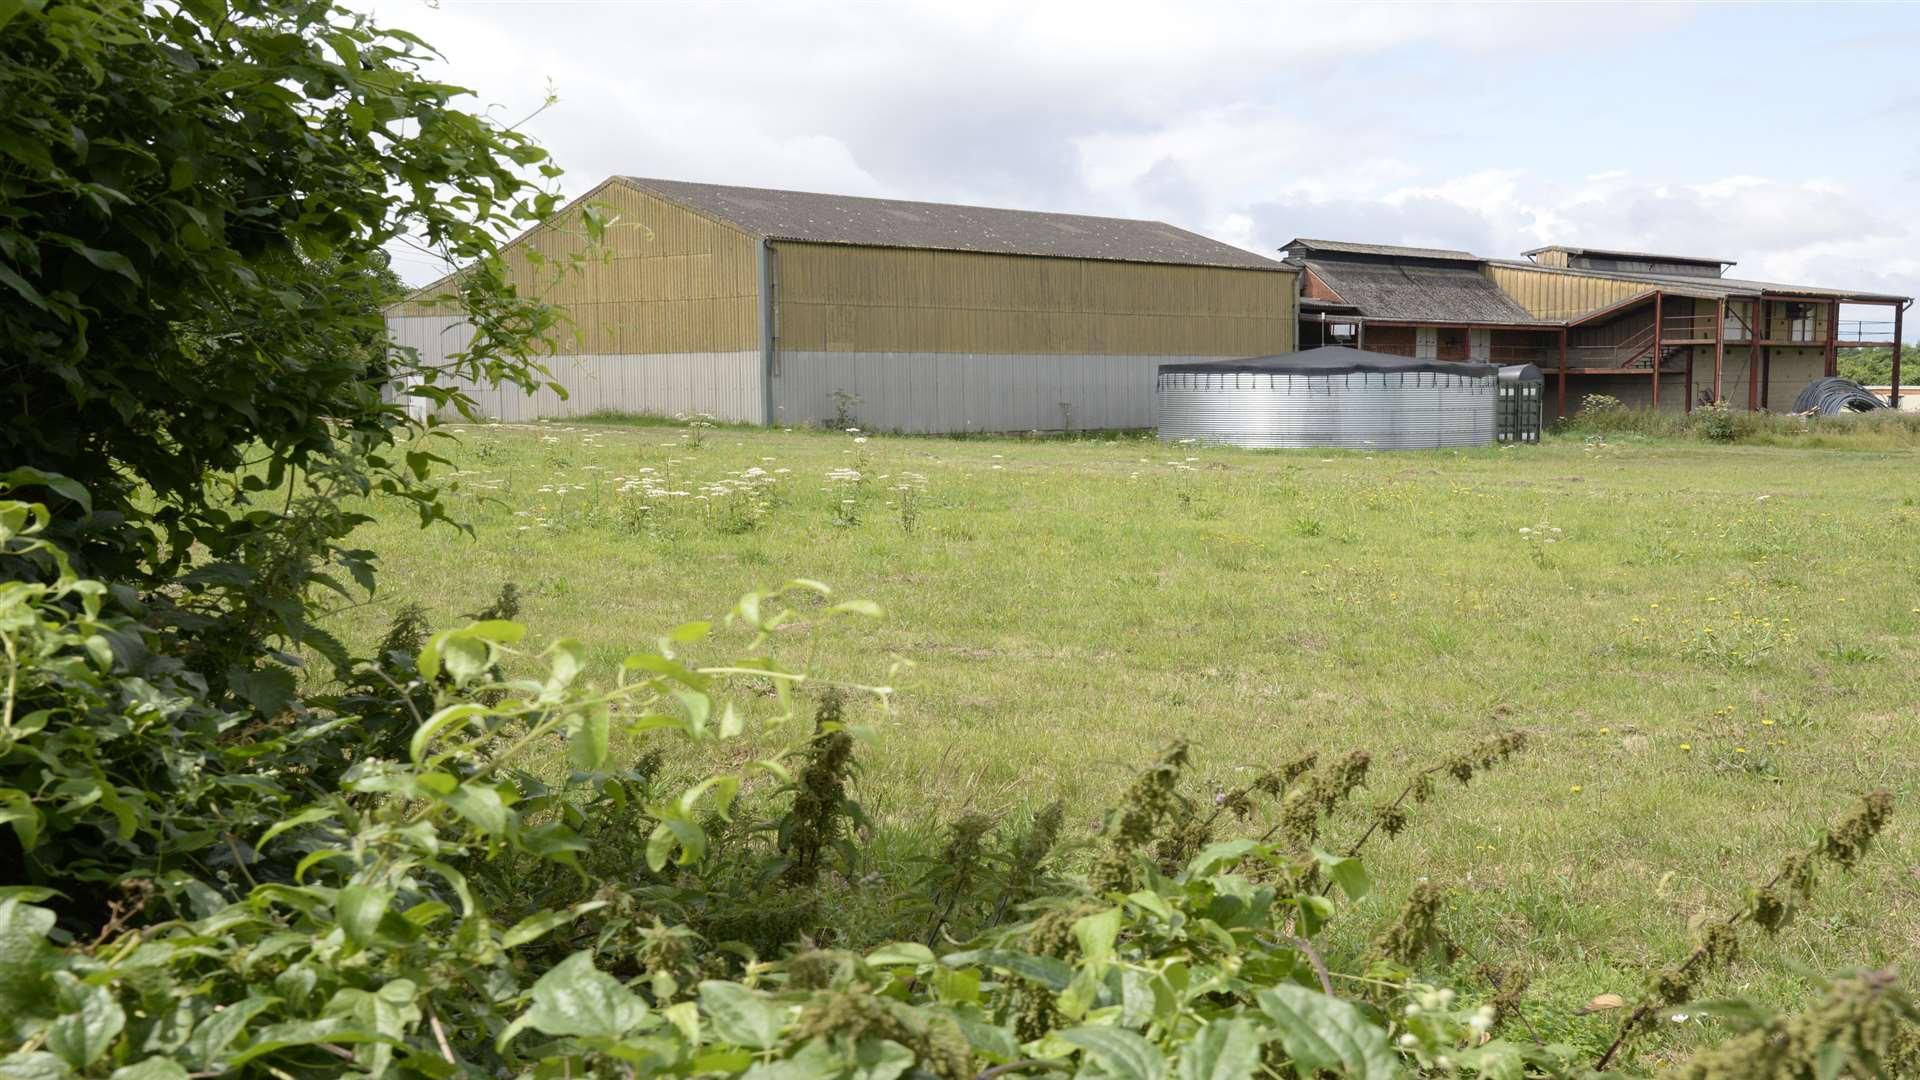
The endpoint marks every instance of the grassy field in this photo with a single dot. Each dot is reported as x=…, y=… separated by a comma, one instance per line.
x=1715, y=647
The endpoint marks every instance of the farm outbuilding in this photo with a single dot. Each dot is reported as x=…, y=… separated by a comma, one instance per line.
x=1665, y=331
x=787, y=308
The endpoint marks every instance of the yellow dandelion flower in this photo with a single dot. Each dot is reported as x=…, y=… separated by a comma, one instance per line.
x=1575, y=789
x=1606, y=731
x=1739, y=749
x=1767, y=722
x=1686, y=747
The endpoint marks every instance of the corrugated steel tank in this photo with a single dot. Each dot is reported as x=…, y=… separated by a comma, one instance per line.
x=1330, y=397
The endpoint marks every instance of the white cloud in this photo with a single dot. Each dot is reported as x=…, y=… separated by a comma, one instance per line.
x=1253, y=123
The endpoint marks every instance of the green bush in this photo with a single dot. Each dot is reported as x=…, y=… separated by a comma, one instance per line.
x=1604, y=416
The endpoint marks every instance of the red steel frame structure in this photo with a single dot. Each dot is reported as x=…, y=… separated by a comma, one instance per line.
x=1759, y=356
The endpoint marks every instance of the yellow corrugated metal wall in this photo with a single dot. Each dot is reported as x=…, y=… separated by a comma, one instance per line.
x=1549, y=295
x=666, y=279
x=864, y=299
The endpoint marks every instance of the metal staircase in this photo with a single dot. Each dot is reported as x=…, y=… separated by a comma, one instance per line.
x=1635, y=353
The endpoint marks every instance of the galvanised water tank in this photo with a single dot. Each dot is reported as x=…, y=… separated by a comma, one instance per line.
x=1329, y=397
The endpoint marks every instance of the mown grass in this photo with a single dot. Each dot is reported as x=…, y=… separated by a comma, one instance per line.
x=1714, y=646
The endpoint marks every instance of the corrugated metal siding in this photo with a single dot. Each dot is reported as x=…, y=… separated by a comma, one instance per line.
x=885, y=300
x=666, y=280
x=950, y=392
x=1361, y=410
x=1547, y=295
x=724, y=384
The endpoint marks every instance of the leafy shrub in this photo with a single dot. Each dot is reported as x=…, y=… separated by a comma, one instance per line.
x=1714, y=422
x=1603, y=415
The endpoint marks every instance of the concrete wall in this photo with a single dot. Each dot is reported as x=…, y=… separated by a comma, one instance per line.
x=1791, y=370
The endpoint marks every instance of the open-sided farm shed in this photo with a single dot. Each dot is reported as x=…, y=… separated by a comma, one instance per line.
x=1666, y=331
x=784, y=307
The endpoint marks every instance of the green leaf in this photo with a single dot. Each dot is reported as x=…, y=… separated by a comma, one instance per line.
x=857, y=607
x=303, y=1033
x=359, y=909
x=1226, y=1049
x=92, y=1020
x=1216, y=855
x=1345, y=872
x=154, y=1068
x=111, y=261
x=305, y=817
x=1121, y=1053
x=902, y=953
x=685, y=1018
x=210, y=1040
x=34, y=1065
x=27, y=964
x=468, y=657
x=535, y=926
x=989, y=1040
x=880, y=1059
x=1321, y=1032
x=1832, y=1059
x=1052, y=973
x=481, y=805
x=740, y=1016
x=267, y=690
x=692, y=631
x=576, y=999
x=26, y=476
x=440, y=721
x=587, y=744
x=1096, y=934
x=1079, y=995
x=502, y=631
x=21, y=286
x=817, y=1060
x=565, y=658
x=17, y=810
x=1497, y=1060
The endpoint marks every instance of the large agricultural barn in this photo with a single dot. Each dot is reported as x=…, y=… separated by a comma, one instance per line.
x=1587, y=318
x=781, y=307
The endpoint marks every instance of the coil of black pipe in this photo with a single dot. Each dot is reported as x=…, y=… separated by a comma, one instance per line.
x=1833, y=396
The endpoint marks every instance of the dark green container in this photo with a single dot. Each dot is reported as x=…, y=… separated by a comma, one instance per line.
x=1518, y=410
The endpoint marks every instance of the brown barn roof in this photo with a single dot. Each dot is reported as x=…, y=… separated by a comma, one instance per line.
x=1417, y=292
x=847, y=219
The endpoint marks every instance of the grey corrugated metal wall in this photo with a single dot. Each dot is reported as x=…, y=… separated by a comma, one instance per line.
x=725, y=385
x=949, y=392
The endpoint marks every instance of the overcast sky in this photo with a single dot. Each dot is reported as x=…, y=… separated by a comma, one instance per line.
x=1781, y=136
